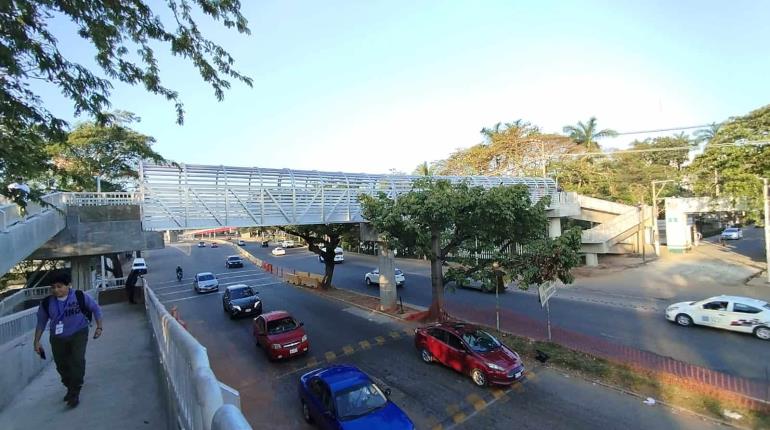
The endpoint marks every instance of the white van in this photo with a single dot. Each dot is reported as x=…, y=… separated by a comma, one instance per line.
x=140, y=266
x=339, y=255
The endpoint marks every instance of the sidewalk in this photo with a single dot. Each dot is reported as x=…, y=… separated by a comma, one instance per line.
x=122, y=388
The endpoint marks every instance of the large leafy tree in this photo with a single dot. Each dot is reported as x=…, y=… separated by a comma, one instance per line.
x=111, y=151
x=734, y=159
x=124, y=35
x=587, y=134
x=322, y=239
x=443, y=220
x=516, y=148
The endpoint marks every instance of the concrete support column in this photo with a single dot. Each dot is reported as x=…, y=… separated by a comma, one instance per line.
x=80, y=268
x=387, y=265
x=592, y=260
x=554, y=227
x=171, y=236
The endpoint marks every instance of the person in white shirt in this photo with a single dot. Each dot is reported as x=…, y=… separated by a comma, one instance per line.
x=20, y=194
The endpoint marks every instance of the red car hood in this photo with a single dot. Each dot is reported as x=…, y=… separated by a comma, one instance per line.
x=502, y=357
x=287, y=337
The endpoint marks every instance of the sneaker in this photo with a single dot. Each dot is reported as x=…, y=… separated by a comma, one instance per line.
x=73, y=401
x=68, y=395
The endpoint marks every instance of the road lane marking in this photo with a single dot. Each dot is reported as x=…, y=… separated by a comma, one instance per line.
x=311, y=362
x=395, y=335
x=365, y=344
x=348, y=350
x=380, y=340
x=330, y=356
x=477, y=402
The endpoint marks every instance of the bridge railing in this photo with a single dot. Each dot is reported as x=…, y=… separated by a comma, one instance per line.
x=9, y=304
x=194, y=393
x=11, y=213
x=606, y=231
x=102, y=199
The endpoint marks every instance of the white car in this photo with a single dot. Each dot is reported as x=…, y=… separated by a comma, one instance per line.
x=205, y=282
x=339, y=255
x=726, y=312
x=139, y=265
x=287, y=244
x=732, y=233
x=201, y=244
x=373, y=277
x=278, y=251
x=241, y=242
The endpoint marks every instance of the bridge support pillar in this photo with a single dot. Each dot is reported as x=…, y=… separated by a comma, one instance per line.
x=554, y=227
x=80, y=268
x=387, y=263
x=592, y=260
x=171, y=236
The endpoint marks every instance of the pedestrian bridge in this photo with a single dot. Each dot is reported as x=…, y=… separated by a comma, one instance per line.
x=192, y=196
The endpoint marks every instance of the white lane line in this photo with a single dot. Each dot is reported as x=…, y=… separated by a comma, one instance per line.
x=219, y=293
x=257, y=271
x=183, y=283
x=187, y=288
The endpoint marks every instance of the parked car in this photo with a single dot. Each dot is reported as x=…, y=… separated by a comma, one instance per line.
x=214, y=245
x=732, y=233
x=373, y=277
x=201, y=244
x=344, y=397
x=205, y=282
x=471, y=351
x=241, y=242
x=233, y=261
x=339, y=255
x=287, y=243
x=280, y=335
x=241, y=299
x=139, y=265
x=265, y=243
x=734, y=313
x=278, y=251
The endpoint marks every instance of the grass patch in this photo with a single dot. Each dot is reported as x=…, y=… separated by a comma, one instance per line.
x=645, y=383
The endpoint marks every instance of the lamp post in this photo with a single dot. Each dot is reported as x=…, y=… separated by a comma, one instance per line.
x=767, y=226
x=655, y=230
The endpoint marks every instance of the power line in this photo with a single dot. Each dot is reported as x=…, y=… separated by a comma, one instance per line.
x=678, y=148
x=689, y=127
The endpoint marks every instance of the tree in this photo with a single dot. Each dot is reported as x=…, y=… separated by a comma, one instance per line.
x=586, y=134
x=110, y=151
x=708, y=133
x=322, y=239
x=442, y=220
x=734, y=170
x=517, y=148
x=424, y=169
x=124, y=35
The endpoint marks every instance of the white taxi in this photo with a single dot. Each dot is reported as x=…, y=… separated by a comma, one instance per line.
x=734, y=313
x=278, y=251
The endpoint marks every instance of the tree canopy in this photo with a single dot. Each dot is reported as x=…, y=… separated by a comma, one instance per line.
x=443, y=220
x=124, y=35
x=587, y=134
x=322, y=239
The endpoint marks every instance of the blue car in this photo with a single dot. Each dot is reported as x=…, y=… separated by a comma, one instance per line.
x=343, y=397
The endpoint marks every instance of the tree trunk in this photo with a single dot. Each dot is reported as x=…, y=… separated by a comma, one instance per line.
x=436, y=311
x=328, y=273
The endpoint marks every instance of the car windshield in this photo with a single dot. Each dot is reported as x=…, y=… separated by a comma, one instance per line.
x=234, y=258
x=480, y=341
x=281, y=326
x=399, y=272
x=206, y=277
x=767, y=306
x=731, y=230
x=359, y=400
x=242, y=292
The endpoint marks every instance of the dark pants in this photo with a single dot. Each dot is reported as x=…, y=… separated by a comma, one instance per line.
x=130, y=293
x=69, y=354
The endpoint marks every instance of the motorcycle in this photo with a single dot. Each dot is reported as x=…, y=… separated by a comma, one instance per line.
x=179, y=276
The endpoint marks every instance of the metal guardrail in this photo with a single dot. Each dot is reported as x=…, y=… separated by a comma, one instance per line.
x=102, y=199
x=194, y=393
x=604, y=205
x=562, y=199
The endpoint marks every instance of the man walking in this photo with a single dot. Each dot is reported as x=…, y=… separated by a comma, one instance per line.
x=69, y=312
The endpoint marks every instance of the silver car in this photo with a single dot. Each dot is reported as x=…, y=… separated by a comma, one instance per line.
x=205, y=282
x=373, y=277
x=732, y=233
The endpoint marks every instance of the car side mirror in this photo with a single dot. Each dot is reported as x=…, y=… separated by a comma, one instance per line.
x=301, y=324
x=387, y=392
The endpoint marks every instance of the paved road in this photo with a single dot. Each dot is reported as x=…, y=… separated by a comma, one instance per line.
x=623, y=319
x=383, y=348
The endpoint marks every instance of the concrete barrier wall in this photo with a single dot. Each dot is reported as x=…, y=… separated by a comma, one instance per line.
x=20, y=364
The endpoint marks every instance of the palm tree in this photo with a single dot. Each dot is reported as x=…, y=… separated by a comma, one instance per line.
x=708, y=133
x=424, y=169
x=587, y=135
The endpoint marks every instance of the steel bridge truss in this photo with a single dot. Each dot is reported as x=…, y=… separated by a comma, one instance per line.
x=199, y=196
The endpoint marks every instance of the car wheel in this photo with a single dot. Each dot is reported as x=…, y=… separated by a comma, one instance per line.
x=478, y=377
x=224, y=307
x=762, y=333
x=232, y=315
x=425, y=355
x=683, y=320
x=368, y=281
x=306, y=413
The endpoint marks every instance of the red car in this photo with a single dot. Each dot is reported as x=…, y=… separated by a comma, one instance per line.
x=280, y=335
x=471, y=351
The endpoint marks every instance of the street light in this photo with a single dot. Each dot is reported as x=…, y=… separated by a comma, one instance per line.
x=655, y=229
x=495, y=266
x=767, y=228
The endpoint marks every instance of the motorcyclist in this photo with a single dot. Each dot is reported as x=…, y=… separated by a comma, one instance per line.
x=179, y=272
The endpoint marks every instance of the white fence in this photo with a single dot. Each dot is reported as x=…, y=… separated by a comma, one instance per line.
x=10, y=303
x=194, y=394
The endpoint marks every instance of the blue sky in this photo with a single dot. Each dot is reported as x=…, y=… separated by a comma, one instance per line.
x=378, y=85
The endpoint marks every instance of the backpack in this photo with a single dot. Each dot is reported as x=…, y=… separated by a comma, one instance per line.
x=81, y=298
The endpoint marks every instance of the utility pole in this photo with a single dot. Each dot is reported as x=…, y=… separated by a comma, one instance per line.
x=767, y=226
x=655, y=230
